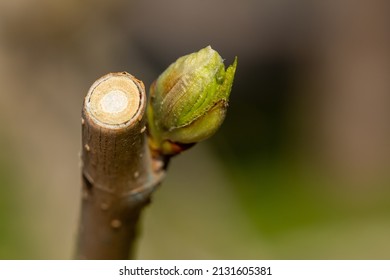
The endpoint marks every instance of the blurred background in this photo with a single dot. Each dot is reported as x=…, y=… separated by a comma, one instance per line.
x=299, y=169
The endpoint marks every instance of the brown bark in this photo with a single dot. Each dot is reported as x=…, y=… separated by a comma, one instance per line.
x=118, y=172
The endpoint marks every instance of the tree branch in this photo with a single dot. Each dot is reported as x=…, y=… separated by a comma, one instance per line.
x=118, y=174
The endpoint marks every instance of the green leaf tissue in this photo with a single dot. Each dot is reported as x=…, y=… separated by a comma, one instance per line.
x=188, y=101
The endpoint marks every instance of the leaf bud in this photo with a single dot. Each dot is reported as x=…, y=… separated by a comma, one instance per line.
x=188, y=101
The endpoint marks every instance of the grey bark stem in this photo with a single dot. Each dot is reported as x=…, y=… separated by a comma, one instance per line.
x=118, y=171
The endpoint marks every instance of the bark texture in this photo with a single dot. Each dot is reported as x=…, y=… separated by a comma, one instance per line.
x=118, y=172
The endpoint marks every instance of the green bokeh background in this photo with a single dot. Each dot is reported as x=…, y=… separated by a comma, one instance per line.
x=269, y=185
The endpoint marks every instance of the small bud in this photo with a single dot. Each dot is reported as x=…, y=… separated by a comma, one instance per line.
x=188, y=101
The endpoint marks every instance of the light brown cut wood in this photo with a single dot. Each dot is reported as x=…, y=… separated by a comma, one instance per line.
x=118, y=172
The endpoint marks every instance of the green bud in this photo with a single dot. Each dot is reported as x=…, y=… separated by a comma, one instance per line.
x=188, y=101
